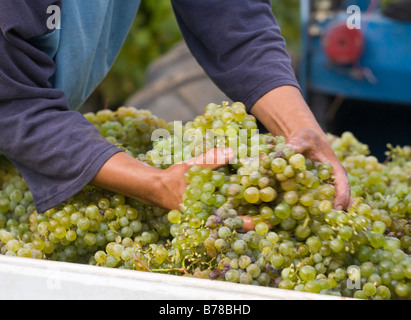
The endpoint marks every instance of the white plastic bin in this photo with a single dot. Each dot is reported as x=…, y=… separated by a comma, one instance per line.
x=23, y=278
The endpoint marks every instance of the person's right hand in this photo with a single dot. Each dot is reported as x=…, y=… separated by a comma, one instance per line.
x=172, y=179
x=153, y=186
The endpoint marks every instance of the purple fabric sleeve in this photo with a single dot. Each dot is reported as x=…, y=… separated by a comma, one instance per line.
x=57, y=150
x=238, y=44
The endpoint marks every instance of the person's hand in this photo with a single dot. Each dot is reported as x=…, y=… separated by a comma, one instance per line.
x=153, y=186
x=317, y=148
x=172, y=180
x=283, y=111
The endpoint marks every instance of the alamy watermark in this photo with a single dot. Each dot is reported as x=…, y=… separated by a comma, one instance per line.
x=54, y=20
x=354, y=20
x=354, y=277
x=192, y=143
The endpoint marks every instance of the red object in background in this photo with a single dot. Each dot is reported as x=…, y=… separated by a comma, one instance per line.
x=342, y=45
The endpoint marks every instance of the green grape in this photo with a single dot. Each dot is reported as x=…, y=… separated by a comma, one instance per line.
x=314, y=244
x=291, y=197
x=261, y=228
x=246, y=278
x=369, y=289
x=232, y=276
x=42, y=228
x=224, y=232
x=359, y=294
x=266, y=212
x=278, y=165
x=16, y=196
x=221, y=245
x=383, y=292
x=13, y=245
x=282, y=211
x=302, y=232
x=112, y=261
x=240, y=246
x=268, y=194
x=379, y=226
x=160, y=254
x=377, y=240
x=346, y=233
x=252, y=195
x=392, y=244
x=307, y=273
x=60, y=232
x=307, y=199
x=407, y=271
x=83, y=223
x=402, y=289
x=254, y=270
x=297, y=161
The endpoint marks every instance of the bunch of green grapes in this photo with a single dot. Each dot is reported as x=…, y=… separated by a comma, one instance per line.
x=127, y=127
x=286, y=200
x=16, y=204
x=299, y=241
x=385, y=245
x=265, y=219
x=74, y=230
x=220, y=126
x=347, y=145
x=385, y=187
x=77, y=228
x=310, y=245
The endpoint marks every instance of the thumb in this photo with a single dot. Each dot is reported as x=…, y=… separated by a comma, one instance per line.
x=213, y=158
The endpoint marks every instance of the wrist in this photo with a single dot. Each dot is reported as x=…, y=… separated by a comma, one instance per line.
x=128, y=176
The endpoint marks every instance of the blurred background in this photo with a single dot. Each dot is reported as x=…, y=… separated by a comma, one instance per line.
x=354, y=80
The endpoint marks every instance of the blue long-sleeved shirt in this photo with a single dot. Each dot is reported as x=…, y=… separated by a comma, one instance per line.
x=46, y=74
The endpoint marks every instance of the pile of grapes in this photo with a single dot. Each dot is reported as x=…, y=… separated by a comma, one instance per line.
x=299, y=241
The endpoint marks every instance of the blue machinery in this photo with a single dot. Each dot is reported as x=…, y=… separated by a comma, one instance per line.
x=371, y=62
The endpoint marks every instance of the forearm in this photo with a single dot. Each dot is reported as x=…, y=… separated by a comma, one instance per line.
x=283, y=111
x=128, y=176
x=161, y=188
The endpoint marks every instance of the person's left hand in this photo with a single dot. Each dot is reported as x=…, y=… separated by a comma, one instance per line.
x=317, y=148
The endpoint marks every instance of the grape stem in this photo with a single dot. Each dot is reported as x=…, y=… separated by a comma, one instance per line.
x=144, y=265
x=307, y=219
x=170, y=270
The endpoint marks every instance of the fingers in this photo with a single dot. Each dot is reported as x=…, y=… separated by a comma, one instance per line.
x=303, y=141
x=213, y=158
x=342, y=200
x=298, y=144
x=249, y=225
x=309, y=143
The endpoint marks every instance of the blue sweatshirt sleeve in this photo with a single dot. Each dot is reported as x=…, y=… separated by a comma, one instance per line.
x=238, y=44
x=57, y=150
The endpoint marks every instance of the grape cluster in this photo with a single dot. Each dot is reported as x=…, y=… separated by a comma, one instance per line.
x=76, y=229
x=298, y=241
x=127, y=127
